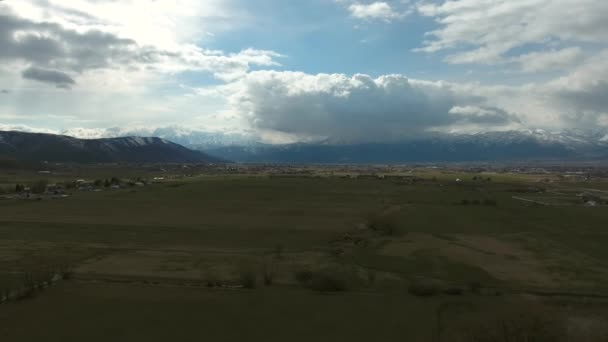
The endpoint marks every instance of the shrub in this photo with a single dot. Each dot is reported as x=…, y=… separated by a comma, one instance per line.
x=383, y=224
x=424, y=288
x=453, y=291
x=327, y=282
x=475, y=287
x=247, y=279
x=490, y=202
x=336, y=251
x=278, y=251
x=39, y=187
x=268, y=278
x=527, y=323
x=303, y=276
x=268, y=274
x=371, y=277
x=67, y=274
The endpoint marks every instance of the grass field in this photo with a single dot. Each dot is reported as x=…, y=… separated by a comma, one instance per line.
x=235, y=257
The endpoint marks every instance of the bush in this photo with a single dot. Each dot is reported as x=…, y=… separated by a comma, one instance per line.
x=39, y=187
x=278, y=251
x=523, y=324
x=268, y=274
x=453, y=291
x=247, y=279
x=383, y=224
x=67, y=274
x=490, y=202
x=371, y=277
x=268, y=278
x=303, y=277
x=475, y=287
x=424, y=288
x=213, y=282
x=327, y=282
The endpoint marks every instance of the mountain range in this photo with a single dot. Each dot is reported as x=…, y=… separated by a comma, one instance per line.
x=22, y=146
x=199, y=146
x=487, y=147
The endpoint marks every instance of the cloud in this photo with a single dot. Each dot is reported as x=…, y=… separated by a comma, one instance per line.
x=363, y=108
x=58, y=78
x=549, y=60
x=50, y=45
x=374, y=11
x=358, y=108
x=483, y=115
x=25, y=128
x=486, y=31
x=59, y=42
x=582, y=95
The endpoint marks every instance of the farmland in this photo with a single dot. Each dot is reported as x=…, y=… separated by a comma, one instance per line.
x=424, y=255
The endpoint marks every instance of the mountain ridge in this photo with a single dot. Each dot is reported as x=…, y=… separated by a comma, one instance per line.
x=489, y=146
x=25, y=146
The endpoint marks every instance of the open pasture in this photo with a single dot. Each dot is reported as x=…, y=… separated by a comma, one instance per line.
x=296, y=258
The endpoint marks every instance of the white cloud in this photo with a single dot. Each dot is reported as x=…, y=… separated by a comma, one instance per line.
x=164, y=24
x=74, y=37
x=358, y=108
x=549, y=60
x=120, y=67
x=25, y=128
x=374, y=11
x=485, y=31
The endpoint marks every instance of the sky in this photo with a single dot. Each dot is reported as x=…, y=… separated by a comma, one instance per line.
x=303, y=70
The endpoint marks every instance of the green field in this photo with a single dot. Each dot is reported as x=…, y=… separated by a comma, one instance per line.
x=250, y=257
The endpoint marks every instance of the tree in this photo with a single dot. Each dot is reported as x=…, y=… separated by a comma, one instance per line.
x=39, y=187
x=19, y=188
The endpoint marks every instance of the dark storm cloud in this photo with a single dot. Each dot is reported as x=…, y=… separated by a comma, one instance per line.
x=50, y=45
x=58, y=78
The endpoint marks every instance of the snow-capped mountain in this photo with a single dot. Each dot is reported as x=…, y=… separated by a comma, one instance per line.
x=490, y=146
x=180, y=135
x=433, y=147
x=60, y=148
